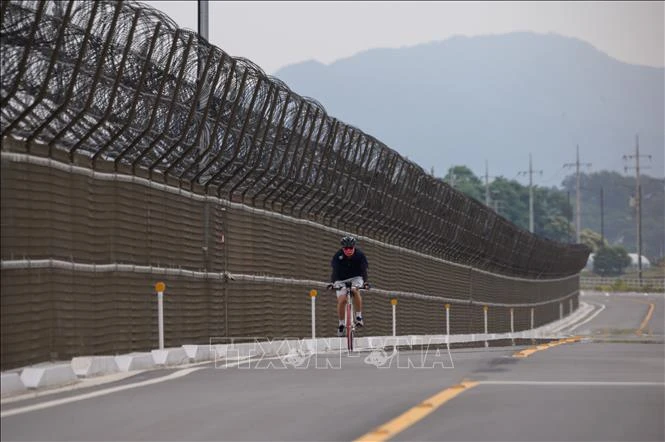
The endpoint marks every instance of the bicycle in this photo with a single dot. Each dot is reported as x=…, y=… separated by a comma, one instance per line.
x=349, y=323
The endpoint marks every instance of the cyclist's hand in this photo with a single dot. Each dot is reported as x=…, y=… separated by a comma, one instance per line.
x=366, y=286
x=330, y=286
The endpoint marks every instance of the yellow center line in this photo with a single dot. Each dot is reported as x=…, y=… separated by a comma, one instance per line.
x=415, y=414
x=647, y=318
x=531, y=350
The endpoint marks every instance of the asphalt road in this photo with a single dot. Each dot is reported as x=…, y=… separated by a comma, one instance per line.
x=609, y=386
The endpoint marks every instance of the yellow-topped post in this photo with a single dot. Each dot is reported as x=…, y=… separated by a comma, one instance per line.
x=512, y=320
x=485, y=308
x=447, y=306
x=393, y=302
x=312, y=295
x=160, y=287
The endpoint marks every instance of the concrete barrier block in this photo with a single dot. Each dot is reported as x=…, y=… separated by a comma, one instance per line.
x=135, y=361
x=10, y=383
x=198, y=353
x=311, y=345
x=170, y=356
x=274, y=348
x=326, y=344
x=246, y=350
x=48, y=375
x=219, y=351
x=337, y=343
x=85, y=366
x=318, y=345
x=301, y=345
x=378, y=341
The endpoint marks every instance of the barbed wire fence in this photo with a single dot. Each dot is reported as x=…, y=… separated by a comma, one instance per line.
x=117, y=88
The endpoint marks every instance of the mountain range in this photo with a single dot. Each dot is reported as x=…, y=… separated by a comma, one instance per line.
x=497, y=98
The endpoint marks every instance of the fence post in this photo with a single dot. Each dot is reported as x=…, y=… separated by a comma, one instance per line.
x=571, y=306
x=393, y=302
x=485, y=308
x=560, y=310
x=447, y=323
x=312, y=295
x=512, y=320
x=532, y=321
x=160, y=287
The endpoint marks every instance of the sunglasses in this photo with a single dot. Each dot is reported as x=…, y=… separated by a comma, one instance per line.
x=347, y=248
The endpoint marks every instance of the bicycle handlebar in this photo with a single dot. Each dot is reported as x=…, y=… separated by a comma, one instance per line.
x=348, y=284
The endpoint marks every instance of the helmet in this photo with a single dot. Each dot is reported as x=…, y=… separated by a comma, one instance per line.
x=348, y=241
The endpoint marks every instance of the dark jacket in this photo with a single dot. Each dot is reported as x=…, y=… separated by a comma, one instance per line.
x=344, y=267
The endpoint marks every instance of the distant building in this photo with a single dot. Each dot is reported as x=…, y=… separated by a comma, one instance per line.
x=633, y=262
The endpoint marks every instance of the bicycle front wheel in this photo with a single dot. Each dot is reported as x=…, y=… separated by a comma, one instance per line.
x=349, y=328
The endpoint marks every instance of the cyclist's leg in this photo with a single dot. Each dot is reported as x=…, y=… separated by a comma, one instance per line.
x=341, y=304
x=357, y=300
x=341, y=307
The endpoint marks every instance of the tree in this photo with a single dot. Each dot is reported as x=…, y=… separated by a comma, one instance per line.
x=592, y=239
x=464, y=180
x=610, y=261
x=558, y=229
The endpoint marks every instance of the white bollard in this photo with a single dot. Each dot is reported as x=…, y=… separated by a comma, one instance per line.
x=560, y=310
x=532, y=321
x=159, y=288
x=312, y=294
x=485, y=308
x=512, y=320
x=393, y=302
x=447, y=323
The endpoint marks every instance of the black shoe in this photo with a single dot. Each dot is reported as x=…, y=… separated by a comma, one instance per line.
x=360, y=322
x=340, y=331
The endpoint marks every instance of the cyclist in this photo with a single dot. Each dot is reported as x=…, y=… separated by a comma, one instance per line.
x=349, y=262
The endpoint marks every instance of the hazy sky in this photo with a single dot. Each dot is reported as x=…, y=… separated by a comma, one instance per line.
x=275, y=34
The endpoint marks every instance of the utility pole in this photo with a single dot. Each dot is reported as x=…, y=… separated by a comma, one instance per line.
x=451, y=177
x=578, y=204
x=570, y=221
x=487, y=186
x=497, y=206
x=203, y=18
x=530, y=172
x=602, y=217
x=638, y=202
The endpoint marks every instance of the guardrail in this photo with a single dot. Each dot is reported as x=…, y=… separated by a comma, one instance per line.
x=622, y=283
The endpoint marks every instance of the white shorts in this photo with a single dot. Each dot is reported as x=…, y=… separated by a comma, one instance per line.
x=355, y=282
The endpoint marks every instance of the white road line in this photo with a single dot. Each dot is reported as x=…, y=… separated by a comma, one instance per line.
x=602, y=307
x=580, y=383
x=581, y=313
x=67, y=400
x=82, y=383
x=89, y=382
